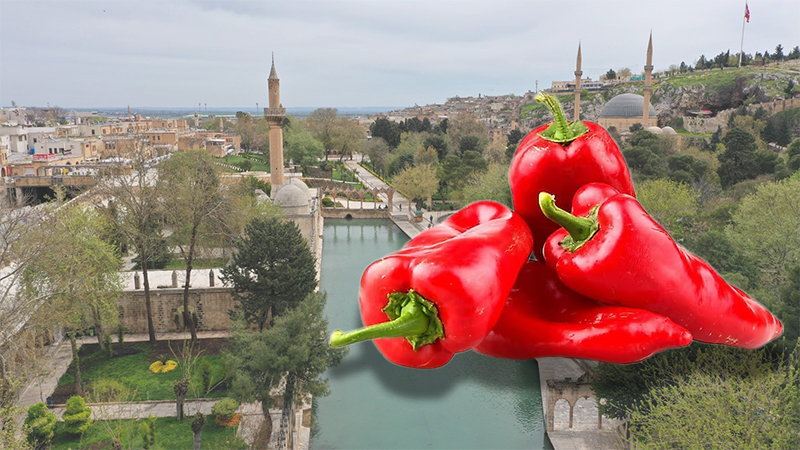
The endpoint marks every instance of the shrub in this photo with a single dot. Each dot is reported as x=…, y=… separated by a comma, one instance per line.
x=42, y=424
x=207, y=376
x=225, y=411
x=178, y=318
x=105, y=390
x=78, y=416
x=327, y=202
x=148, y=429
x=120, y=334
x=107, y=344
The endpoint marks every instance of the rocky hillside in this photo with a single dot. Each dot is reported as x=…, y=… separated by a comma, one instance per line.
x=714, y=90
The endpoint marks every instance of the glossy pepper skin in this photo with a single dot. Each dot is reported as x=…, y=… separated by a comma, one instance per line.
x=544, y=318
x=459, y=272
x=631, y=260
x=560, y=158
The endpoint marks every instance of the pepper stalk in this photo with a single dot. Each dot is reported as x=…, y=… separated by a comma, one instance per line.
x=410, y=316
x=560, y=130
x=580, y=229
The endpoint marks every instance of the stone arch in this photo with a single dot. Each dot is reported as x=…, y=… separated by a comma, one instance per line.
x=563, y=411
x=586, y=407
x=571, y=391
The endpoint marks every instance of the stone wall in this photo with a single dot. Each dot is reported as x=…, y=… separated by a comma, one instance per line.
x=211, y=304
x=338, y=213
x=710, y=124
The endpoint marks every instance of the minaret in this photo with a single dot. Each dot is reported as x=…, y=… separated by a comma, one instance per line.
x=648, y=73
x=275, y=115
x=578, y=74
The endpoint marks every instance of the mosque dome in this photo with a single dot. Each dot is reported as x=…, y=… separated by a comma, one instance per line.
x=626, y=105
x=654, y=130
x=296, y=182
x=291, y=196
x=669, y=130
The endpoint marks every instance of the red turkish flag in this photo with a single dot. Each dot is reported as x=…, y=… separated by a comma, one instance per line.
x=746, y=12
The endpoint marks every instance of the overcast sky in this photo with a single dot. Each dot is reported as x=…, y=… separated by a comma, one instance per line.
x=179, y=53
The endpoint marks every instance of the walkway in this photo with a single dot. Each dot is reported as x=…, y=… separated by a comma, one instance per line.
x=400, y=213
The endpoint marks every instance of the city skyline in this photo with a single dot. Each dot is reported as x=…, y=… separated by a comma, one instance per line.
x=83, y=54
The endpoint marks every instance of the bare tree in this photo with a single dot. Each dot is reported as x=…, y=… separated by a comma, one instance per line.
x=129, y=195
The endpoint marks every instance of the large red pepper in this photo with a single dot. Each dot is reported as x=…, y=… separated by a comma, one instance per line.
x=619, y=255
x=559, y=158
x=444, y=291
x=544, y=318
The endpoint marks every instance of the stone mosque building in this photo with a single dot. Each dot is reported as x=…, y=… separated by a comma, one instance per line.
x=624, y=110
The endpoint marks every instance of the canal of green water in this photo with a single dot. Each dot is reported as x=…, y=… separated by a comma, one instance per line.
x=474, y=402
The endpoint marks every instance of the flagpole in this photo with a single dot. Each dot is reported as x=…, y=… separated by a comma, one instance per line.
x=741, y=48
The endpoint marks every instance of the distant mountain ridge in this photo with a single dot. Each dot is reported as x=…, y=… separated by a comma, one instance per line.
x=155, y=111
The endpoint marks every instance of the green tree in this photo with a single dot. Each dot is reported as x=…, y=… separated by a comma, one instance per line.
x=738, y=162
x=611, y=75
x=418, y=183
x=301, y=147
x=193, y=204
x=718, y=250
x=80, y=275
x=496, y=151
x=426, y=155
x=467, y=133
x=439, y=141
x=377, y=150
x=491, y=185
x=77, y=417
x=386, y=129
x=158, y=252
x=793, y=155
x=335, y=132
x=673, y=205
x=271, y=271
x=295, y=350
x=514, y=138
x=766, y=229
x=755, y=408
x=789, y=311
x=686, y=168
x=42, y=424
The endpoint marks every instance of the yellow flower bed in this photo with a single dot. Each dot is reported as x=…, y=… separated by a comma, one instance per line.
x=159, y=367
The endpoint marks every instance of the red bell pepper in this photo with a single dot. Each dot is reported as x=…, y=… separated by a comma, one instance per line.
x=559, y=158
x=443, y=292
x=544, y=318
x=619, y=255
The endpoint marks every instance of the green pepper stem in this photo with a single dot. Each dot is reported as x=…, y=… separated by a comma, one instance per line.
x=560, y=130
x=410, y=316
x=580, y=229
x=412, y=321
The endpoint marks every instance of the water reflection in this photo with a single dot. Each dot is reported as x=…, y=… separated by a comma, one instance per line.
x=472, y=402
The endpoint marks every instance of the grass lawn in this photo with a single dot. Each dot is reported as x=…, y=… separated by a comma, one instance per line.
x=258, y=166
x=343, y=176
x=170, y=434
x=134, y=371
x=199, y=263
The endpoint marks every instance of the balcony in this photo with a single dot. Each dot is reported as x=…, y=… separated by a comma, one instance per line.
x=276, y=113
